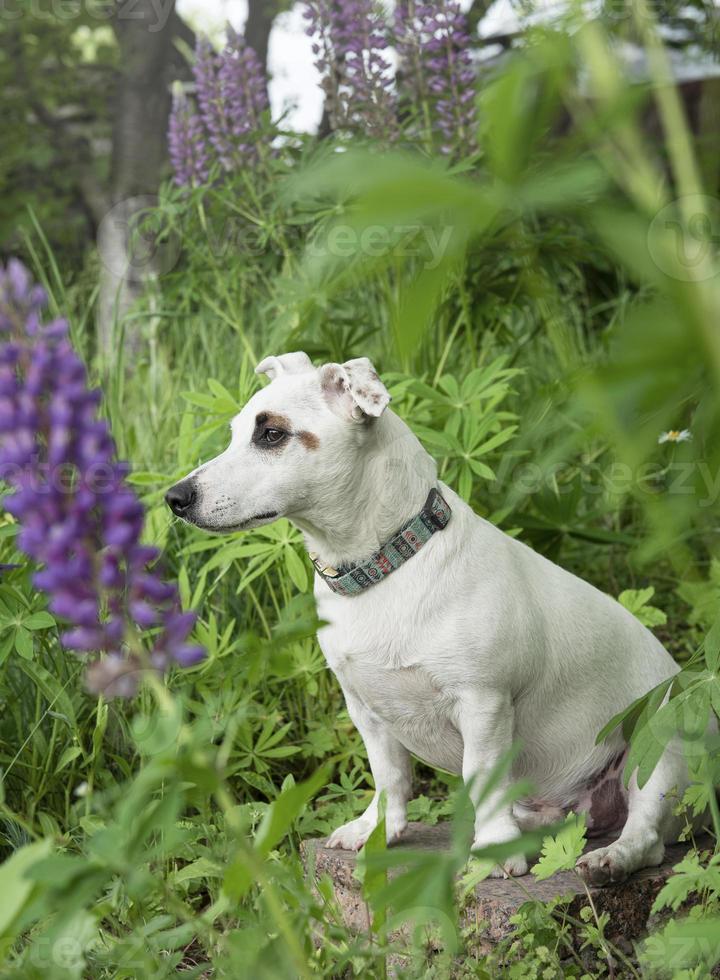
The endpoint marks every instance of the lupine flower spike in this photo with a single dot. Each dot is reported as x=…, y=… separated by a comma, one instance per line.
x=187, y=144
x=80, y=521
x=437, y=71
x=351, y=48
x=232, y=95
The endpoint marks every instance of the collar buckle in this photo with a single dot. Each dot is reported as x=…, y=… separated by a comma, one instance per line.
x=437, y=509
x=327, y=571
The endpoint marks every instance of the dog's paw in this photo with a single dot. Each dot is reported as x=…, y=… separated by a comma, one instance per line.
x=352, y=836
x=607, y=865
x=601, y=867
x=512, y=867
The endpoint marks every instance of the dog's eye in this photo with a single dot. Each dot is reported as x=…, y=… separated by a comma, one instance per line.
x=273, y=436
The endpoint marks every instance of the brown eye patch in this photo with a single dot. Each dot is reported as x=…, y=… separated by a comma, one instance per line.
x=309, y=440
x=272, y=431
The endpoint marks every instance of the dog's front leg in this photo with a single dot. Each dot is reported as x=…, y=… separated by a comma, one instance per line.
x=485, y=721
x=392, y=772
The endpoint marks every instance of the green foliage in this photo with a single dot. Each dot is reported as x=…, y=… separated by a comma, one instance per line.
x=559, y=853
x=637, y=601
x=539, y=332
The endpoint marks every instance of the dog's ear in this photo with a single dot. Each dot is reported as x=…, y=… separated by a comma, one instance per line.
x=354, y=390
x=296, y=363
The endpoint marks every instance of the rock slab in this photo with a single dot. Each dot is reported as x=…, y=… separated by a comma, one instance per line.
x=496, y=900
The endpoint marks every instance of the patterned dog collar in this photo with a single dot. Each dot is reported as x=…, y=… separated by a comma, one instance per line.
x=352, y=579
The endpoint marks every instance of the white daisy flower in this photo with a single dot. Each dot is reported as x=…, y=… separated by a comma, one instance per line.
x=675, y=435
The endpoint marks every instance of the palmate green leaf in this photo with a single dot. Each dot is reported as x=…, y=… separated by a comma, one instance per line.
x=271, y=735
x=688, y=877
x=637, y=601
x=560, y=853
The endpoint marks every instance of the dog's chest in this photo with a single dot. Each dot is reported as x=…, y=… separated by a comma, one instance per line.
x=382, y=663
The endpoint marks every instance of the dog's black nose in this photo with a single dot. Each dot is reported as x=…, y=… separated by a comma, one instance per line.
x=180, y=498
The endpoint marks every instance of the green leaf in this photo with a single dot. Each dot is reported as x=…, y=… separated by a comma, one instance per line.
x=24, y=643
x=16, y=889
x=637, y=601
x=499, y=439
x=296, y=569
x=39, y=621
x=51, y=688
x=70, y=753
x=712, y=646
x=201, y=868
x=560, y=853
x=226, y=402
x=689, y=877
x=281, y=813
x=373, y=875
x=629, y=716
x=7, y=645
x=238, y=878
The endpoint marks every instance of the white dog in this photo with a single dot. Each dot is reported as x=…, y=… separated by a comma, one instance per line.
x=451, y=641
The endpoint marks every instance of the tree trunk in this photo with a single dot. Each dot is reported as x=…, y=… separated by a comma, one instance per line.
x=140, y=120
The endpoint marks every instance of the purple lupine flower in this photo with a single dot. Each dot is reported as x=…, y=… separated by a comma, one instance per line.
x=244, y=91
x=187, y=144
x=232, y=96
x=80, y=521
x=351, y=49
x=437, y=70
x=210, y=102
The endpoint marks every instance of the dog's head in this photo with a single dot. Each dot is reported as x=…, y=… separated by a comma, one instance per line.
x=294, y=440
